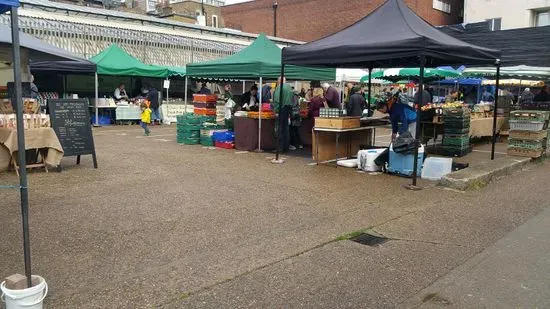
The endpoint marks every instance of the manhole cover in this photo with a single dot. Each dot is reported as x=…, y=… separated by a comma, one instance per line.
x=369, y=239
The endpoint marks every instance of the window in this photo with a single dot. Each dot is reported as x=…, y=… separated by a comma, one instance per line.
x=494, y=23
x=542, y=18
x=442, y=5
x=214, y=21
x=198, y=12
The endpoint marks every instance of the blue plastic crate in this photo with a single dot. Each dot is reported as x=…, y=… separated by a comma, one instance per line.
x=403, y=164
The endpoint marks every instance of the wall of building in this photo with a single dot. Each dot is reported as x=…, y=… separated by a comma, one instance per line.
x=514, y=13
x=193, y=8
x=307, y=20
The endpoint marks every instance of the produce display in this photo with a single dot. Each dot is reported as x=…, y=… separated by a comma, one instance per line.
x=30, y=121
x=528, y=133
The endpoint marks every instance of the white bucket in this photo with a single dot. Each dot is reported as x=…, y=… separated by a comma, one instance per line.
x=30, y=298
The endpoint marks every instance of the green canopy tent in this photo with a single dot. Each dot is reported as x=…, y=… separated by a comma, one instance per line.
x=116, y=61
x=261, y=59
x=398, y=74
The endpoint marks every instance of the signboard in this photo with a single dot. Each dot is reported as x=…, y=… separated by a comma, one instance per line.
x=70, y=120
x=171, y=111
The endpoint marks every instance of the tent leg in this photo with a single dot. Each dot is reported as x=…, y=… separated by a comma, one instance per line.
x=413, y=186
x=96, y=80
x=281, y=121
x=260, y=118
x=494, y=137
x=244, y=86
x=21, y=143
x=369, y=93
x=167, y=91
x=185, y=95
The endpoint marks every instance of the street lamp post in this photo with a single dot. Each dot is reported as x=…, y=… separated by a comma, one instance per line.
x=275, y=5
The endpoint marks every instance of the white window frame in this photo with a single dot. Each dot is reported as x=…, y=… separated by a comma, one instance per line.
x=536, y=19
x=492, y=23
x=442, y=5
x=217, y=23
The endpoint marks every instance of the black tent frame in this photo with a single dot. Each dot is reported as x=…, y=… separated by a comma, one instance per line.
x=404, y=55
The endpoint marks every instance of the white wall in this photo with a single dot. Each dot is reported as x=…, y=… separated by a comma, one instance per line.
x=514, y=13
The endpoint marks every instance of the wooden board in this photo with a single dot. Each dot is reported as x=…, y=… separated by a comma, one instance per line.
x=338, y=123
x=349, y=144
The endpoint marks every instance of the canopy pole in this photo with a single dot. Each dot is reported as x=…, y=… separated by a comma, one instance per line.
x=96, y=81
x=494, y=139
x=260, y=118
x=21, y=153
x=369, y=95
x=244, y=86
x=281, y=121
x=413, y=186
x=185, y=95
x=167, y=90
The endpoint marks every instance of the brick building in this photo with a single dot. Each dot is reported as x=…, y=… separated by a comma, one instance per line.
x=307, y=20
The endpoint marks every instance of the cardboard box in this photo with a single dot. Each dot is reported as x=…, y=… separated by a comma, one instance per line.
x=338, y=123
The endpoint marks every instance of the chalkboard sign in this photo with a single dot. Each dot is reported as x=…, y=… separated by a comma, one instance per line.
x=70, y=120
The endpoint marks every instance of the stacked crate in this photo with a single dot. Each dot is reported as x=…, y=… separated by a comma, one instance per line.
x=456, y=137
x=207, y=131
x=188, y=129
x=528, y=133
x=205, y=104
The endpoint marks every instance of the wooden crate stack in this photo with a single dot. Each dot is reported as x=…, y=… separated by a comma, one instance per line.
x=528, y=133
x=456, y=137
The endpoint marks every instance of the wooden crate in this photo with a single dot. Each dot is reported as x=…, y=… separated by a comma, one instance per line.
x=338, y=123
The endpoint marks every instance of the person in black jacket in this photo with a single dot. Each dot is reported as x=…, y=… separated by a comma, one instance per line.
x=153, y=98
x=544, y=95
x=356, y=103
x=250, y=99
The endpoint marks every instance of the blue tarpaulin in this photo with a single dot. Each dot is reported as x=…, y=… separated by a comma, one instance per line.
x=460, y=81
x=5, y=5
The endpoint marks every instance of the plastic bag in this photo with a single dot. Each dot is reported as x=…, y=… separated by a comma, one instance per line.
x=404, y=143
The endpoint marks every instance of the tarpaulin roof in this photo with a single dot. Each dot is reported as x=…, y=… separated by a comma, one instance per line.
x=38, y=50
x=391, y=36
x=116, y=61
x=262, y=58
x=73, y=66
x=5, y=5
x=177, y=71
x=520, y=71
x=524, y=46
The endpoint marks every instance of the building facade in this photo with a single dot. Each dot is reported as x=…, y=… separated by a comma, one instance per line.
x=508, y=14
x=307, y=20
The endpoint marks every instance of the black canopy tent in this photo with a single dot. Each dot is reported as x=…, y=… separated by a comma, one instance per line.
x=73, y=66
x=391, y=36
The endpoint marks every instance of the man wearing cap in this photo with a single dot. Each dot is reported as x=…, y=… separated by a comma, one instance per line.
x=402, y=117
x=332, y=96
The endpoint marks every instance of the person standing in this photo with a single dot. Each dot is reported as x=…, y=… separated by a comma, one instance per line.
x=120, y=93
x=487, y=96
x=145, y=118
x=266, y=93
x=153, y=98
x=250, y=99
x=204, y=89
x=544, y=95
x=356, y=103
x=527, y=97
x=332, y=96
x=284, y=112
x=316, y=102
x=295, y=123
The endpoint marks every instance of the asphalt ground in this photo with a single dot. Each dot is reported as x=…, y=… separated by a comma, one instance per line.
x=166, y=225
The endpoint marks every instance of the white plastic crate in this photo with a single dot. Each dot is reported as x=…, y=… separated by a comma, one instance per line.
x=521, y=125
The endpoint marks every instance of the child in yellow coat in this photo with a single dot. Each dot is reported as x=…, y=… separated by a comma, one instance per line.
x=145, y=117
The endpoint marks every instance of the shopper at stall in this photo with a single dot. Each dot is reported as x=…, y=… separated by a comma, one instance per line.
x=332, y=96
x=356, y=103
x=426, y=97
x=153, y=98
x=284, y=112
x=527, y=97
x=120, y=93
x=544, y=95
x=452, y=97
x=266, y=93
x=487, y=96
x=295, y=123
x=402, y=117
x=316, y=102
x=250, y=99
x=204, y=89
x=229, y=106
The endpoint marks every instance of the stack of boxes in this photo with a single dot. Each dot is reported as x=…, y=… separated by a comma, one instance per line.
x=528, y=133
x=456, y=137
x=188, y=129
x=205, y=104
x=207, y=131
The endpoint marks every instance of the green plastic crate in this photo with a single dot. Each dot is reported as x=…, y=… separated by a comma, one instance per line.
x=188, y=141
x=189, y=134
x=461, y=140
x=206, y=141
x=527, y=144
x=188, y=127
x=456, y=131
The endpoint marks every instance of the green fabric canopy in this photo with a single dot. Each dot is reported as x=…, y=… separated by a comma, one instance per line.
x=116, y=61
x=261, y=59
x=411, y=73
x=520, y=71
x=176, y=71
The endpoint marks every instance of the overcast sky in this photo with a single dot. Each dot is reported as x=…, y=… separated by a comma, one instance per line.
x=234, y=1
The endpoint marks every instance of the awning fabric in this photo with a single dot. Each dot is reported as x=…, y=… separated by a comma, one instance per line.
x=116, y=61
x=262, y=58
x=6, y=5
x=520, y=71
x=176, y=71
x=411, y=73
x=391, y=36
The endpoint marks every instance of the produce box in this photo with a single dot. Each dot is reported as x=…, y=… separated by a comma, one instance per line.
x=207, y=141
x=205, y=111
x=189, y=134
x=525, y=152
x=529, y=135
x=205, y=98
x=527, y=115
x=338, y=123
x=525, y=125
x=462, y=140
x=265, y=115
x=456, y=112
x=204, y=105
x=188, y=141
x=527, y=144
x=188, y=127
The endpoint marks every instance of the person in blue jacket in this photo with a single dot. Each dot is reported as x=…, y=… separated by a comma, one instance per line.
x=402, y=117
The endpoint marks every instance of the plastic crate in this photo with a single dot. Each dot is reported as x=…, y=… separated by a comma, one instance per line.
x=205, y=98
x=206, y=141
x=522, y=125
x=529, y=135
x=188, y=141
x=451, y=151
x=456, y=112
x=525, y=152
x=527, y=144
x=226, y=145
x=461, y=140
x=189, y=134
x=530, y=115
x=455, y=131
x=204, y=105
x=205, y=111
x=188, y=127
x=224, y=136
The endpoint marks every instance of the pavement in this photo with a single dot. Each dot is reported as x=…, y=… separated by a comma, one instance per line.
x=165, y=225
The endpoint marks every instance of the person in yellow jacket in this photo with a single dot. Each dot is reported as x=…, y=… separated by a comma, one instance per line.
x=145, y=117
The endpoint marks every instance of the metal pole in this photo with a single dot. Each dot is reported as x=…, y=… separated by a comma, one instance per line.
x=96, y=100
x=260, y=117
x=281, y=121
x=244, y=86
x=167, y=89
x=185, y=95
x=417, y=133
x=21, y=154
x=275, y=5
x=369, y=95
x=494, y=139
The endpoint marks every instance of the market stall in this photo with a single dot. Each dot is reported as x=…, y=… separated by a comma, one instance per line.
x=260, y=61
x=372, y=42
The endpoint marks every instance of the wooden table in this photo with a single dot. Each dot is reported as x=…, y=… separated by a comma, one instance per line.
x=323, y=147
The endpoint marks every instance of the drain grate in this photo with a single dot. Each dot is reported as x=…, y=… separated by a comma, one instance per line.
x=369, y=239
